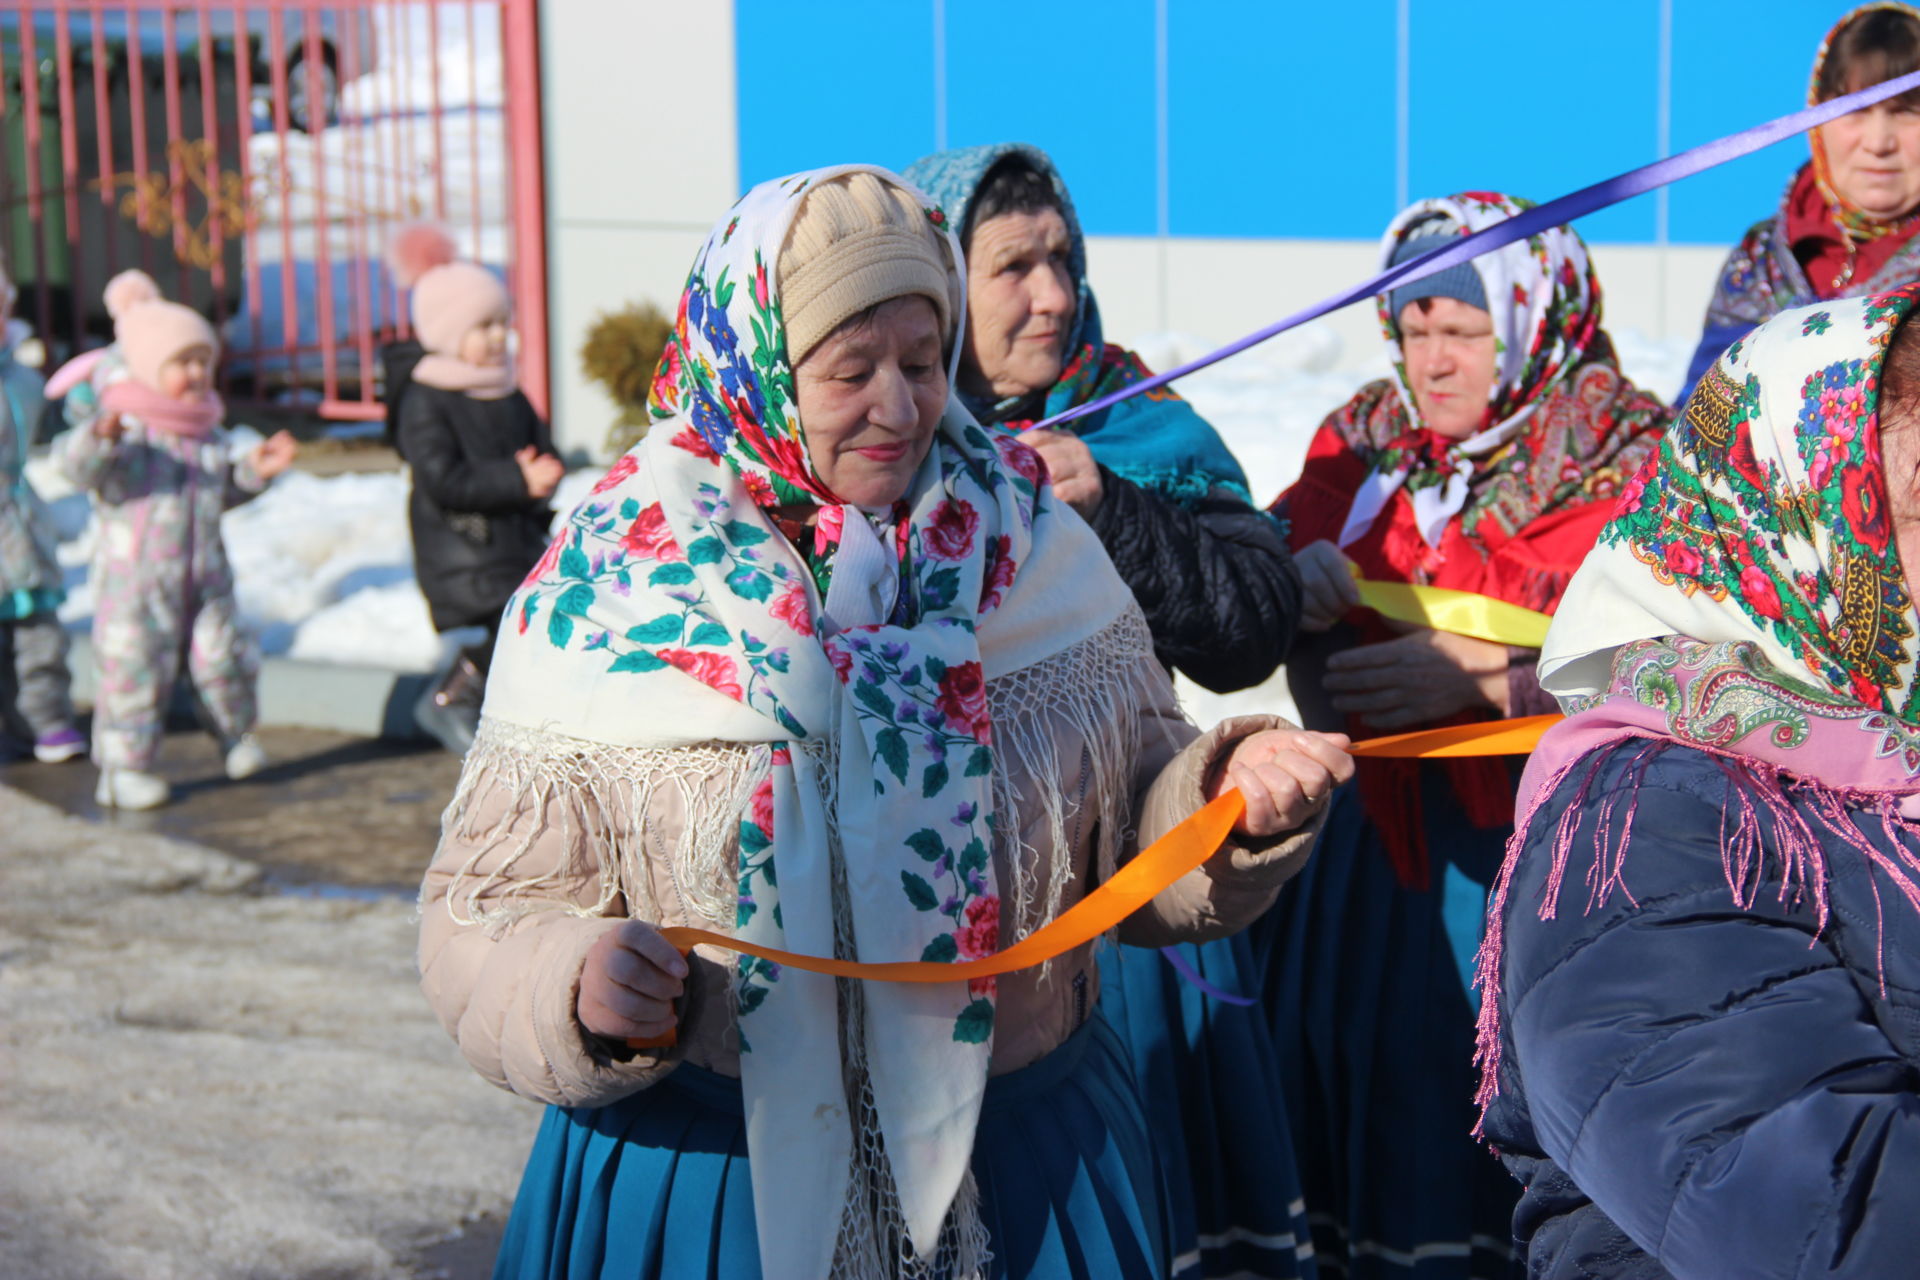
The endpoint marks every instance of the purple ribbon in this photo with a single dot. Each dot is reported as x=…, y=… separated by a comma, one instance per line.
x=1600, y=195
x=1191, y=974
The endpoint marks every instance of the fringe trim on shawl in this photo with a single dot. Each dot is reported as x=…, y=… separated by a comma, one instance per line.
x=1783, y=844
x=1095, y=691
x=601, y=795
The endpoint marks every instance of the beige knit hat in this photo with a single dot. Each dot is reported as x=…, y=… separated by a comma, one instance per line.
x=857, y=241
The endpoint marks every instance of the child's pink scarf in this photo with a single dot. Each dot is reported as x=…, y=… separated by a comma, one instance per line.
x=190, y=419
x=481, y=381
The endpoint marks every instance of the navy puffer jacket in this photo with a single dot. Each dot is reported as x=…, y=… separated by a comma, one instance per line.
x=1690, y=1088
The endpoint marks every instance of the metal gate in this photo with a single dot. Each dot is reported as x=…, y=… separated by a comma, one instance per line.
x=256, y=159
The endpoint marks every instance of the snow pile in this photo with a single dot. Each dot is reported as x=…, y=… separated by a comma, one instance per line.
x=206, y=1081
x=414, y=74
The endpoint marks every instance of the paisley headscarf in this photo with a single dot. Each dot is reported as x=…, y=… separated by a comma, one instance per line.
x=1544, y=303
x=1156, y=440
x=1747, y=599
x=670, y=612
x=1855, y=223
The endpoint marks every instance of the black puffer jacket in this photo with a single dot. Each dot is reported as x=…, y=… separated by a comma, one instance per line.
x=1221, y=594
x=1690, y=1087
x=476, y=532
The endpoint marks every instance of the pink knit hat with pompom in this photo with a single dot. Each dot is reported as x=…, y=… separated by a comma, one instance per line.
x=153, y=332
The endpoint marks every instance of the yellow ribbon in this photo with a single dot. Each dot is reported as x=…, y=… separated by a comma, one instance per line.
x=1131, y=887
x=1461, y=612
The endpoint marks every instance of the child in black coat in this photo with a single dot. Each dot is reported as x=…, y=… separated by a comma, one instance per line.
x=483, y=468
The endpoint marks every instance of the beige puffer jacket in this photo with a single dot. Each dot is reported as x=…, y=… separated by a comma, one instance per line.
x=552, y=842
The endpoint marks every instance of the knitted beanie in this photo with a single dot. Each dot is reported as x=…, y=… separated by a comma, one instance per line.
x=154, y=332
x=453, y=300
x=857, y=241
x=1459, y=281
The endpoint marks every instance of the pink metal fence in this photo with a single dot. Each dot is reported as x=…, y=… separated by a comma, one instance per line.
x=256, y=159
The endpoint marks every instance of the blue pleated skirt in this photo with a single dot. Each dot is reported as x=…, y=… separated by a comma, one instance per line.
x=1364, y=986
x=1207, y=1072
x=657, y=1185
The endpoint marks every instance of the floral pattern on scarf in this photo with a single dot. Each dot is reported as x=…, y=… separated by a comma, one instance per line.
x=1763, y=277
x=1854, y=223
x=1554, y=427
x=671, y=611
x=1763, y=518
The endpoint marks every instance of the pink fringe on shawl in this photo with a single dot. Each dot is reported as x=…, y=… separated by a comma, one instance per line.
x=1756, y=785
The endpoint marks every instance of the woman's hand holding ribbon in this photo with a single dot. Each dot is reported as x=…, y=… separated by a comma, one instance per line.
x=1285, y=777
x=631, y=978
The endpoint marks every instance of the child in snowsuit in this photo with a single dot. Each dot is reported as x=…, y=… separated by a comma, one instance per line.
x=483, y=467
x=156, y=460
x=31, y=585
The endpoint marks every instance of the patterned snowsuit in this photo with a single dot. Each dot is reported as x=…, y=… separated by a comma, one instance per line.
x=30, y=578
x=163, y=589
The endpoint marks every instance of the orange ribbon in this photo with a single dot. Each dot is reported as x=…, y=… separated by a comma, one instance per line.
x=1493, y=738
x=1131, y=887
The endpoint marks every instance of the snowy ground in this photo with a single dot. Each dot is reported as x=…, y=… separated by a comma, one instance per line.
x=325, y=568
x=204, y=1082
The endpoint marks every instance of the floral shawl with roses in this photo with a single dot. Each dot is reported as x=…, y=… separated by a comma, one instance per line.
x=672, y=612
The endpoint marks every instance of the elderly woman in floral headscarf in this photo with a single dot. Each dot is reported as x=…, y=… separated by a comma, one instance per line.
x=1486, y=464
x=1846, y=226
x=821, y=667
x=1702, y=1035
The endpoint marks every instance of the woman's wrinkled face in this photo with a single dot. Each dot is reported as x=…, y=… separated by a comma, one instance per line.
x=1449, y=350
x=870, y=396
x=1020, y=302
x=486, y=342
x=189, y=375
x=1873, y=158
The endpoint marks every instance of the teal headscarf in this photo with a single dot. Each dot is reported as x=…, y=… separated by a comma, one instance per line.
x=1156, y=440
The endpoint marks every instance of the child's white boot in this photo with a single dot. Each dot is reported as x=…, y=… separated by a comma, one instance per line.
x=130, y=789
x=245, y=757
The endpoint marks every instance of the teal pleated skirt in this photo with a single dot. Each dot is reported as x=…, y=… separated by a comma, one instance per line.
x=658, y=1185
x=1209, y=1073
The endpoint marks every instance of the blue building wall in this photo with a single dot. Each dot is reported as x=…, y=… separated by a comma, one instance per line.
x=1240, y=118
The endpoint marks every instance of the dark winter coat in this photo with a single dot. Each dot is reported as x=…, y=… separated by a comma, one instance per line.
x=1219, y=590
x=1692, y=1088
x=476, y=532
